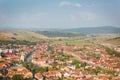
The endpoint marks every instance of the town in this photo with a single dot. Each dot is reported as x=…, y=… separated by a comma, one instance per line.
x=46, y=60
x=59, y=40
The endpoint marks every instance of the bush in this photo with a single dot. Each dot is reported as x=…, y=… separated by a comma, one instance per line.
x=17, y=77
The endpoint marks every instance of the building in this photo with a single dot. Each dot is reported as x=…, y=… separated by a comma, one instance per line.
x=22, y=58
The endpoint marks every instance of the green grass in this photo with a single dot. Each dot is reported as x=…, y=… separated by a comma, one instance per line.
x=73, y=42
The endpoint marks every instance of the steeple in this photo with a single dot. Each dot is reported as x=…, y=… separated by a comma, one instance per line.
x=22, y=56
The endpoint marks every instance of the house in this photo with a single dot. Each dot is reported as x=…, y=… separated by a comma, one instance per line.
x=66, y=74
x=52, y=74
x=8, y=52
x=65, y=68
x=19, y=70
x=4, y=64
x=38, y=76
x=104, y=78
x=73, y=67
x=77, y=78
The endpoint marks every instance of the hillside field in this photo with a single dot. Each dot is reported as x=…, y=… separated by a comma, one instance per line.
x=20, y=35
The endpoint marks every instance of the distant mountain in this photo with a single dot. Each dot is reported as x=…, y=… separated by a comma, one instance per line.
x=20, y=35
x=58, y=33
x=7, y=28
x=95, y=30
x=28, y=28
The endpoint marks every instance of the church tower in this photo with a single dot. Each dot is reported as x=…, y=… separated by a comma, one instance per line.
x=22, y=57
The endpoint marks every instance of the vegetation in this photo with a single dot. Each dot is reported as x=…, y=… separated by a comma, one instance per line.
x=72, y=42
x=100, y=70
x=83, y=45
x=112, y=52
x=58, y=34
x=114, y=41
x=17, y=77
x=21, y=35
x=15, y=42
x=34, y=69
x=1, y=77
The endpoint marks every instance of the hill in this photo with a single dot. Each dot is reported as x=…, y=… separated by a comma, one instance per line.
x=96, y=30
x=115, y=41
x=20, y=35
x=58, y=34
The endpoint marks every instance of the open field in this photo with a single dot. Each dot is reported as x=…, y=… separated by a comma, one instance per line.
x=114, y=41
x=72, y=41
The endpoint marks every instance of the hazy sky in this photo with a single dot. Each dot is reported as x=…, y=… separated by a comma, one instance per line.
x=59, y=13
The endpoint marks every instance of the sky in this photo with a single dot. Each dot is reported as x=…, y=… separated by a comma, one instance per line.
x=59, y=13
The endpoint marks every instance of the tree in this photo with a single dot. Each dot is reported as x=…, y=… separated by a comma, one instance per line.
x=77, y=66
x=4, y=71
x=31, y=66
x=83, y=64
x=1, y=77
x=75, y=62
x=60, y=79
x=25, y=64
x=17, y=77
x=112, y=52
x=2, y=54
x=14, y=62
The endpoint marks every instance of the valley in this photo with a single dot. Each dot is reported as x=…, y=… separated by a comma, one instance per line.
x=83, y=57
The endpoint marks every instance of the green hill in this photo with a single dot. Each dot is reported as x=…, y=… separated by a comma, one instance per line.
x=58, y=34
x=20, y=35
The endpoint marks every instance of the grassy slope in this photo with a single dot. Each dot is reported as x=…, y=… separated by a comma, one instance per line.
x=73, y=41
x=21, y=35
x=59, y=34
x=114, y=41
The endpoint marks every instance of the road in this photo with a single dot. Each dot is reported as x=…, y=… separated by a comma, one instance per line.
x=29, y=55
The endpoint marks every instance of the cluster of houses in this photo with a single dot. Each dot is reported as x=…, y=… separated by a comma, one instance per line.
x=60, y=62
x=10, y=61
x=96, y=55
x=44, y=58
